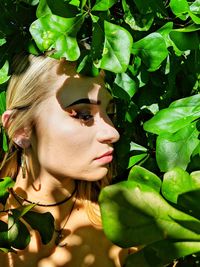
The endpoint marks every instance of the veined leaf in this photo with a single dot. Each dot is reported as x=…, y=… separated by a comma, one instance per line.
x=179, y=114
x=152, y=50
x=176, y=149
x=140, y=216
x=117, y=48
x=54, y=32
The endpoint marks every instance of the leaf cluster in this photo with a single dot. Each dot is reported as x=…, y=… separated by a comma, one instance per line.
x=15, y=223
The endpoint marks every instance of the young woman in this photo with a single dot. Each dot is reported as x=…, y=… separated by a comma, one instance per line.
x=57, y=123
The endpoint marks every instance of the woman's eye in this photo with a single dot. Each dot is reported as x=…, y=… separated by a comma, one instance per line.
x=84, y=116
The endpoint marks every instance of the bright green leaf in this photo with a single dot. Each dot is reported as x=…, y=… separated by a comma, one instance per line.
x=103, y=5
x=176, y=182
x=179, y=8
x=4, y=73
x=5, y=183
x=117, y=48
x=2, y=41
x=143, y=176
x=140, y=216
x=129, y=85
x=179, y=114
x=53, y=32
x=176, y=149
x=152, y=50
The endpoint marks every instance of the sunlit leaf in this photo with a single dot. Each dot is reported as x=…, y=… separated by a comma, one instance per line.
x=5, y=183
x=103, y=5
x=179, y=114
x=117, y=48
x=176, y=149
x=54, y=32
x=4, y=77
x=152, y=50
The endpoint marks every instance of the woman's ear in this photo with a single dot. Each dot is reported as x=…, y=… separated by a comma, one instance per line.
x=5, y=118
x=22, y=137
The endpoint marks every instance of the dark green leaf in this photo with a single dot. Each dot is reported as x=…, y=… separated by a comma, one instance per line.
x=18, y=234
x=43, y=223
x=4, y=235
x=185, y=40
x=161, y=253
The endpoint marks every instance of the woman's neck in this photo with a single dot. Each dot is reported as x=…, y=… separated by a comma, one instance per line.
x=46, y=189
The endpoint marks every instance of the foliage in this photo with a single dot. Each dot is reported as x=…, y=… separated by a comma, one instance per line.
x=166, y=225
x=150, y=54
x=14, y=233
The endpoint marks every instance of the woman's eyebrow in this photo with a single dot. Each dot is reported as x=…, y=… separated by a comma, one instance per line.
x=84, y=101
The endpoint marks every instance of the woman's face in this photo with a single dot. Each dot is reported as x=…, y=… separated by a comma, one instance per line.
x=74, y=134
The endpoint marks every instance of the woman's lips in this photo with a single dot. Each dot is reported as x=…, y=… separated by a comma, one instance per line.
x=105, y=158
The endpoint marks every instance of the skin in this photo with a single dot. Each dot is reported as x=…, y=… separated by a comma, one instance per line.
x=66, y=144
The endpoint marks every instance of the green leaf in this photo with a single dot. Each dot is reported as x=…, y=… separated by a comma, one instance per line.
x=161, y=253
x=18, y=234
x=4, y=235
x=103, y=5
x=42, y=222
x=136, y=159
x=176, y=149
x=5, y=183
x=195, y=7
x=143, y=176
x=152, y=50
x=53, y=32
x=129, y=85
x=2, y=102
x=30, y=2
x=185, y=40
x=139, y=22
x=176, y=182
x=180, y=8
x=117, y=48
x=4, y=73
x=2, y=41
x=179, y=114
x=59, y=7
x=156, y=220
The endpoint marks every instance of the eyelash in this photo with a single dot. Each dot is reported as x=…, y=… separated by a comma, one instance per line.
x=84, y=116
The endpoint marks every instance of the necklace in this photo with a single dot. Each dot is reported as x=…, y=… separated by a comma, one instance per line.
x=60, y=231
x=18, y=197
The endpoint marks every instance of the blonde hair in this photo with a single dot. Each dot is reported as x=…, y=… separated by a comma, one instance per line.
x=26, y=90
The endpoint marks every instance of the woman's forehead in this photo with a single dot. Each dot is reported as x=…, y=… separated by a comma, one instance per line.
x=79, y=87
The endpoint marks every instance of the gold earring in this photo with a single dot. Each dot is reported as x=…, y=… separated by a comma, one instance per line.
x=23, y=165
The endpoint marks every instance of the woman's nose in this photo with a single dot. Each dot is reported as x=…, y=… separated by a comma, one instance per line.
x=107, y=132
